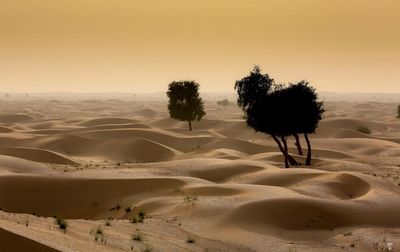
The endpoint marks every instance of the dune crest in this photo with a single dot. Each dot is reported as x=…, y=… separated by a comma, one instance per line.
x=116, y=168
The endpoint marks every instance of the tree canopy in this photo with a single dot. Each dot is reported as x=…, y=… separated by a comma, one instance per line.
x=279, y=111
x=185, y=103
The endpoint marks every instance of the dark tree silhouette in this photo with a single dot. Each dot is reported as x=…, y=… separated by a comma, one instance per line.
x=223, y=103
x=253, y=88
x=265, y=110
x=305, y=112
x=398, y=111
x=185, y=103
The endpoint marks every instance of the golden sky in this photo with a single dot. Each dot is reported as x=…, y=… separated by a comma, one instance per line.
x=140, y=46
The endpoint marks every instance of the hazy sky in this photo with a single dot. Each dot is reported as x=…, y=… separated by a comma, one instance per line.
x=140, y=46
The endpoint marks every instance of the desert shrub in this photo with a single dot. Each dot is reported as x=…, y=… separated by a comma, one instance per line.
x=139, y=218
x=190, y=240
x=190, y=199
x=99, y=230
x=137, y=236
x=364, y=130
x=62, y=224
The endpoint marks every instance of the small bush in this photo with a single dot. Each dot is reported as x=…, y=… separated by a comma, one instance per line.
x=62, y=224
x=137, y=236
x=139, y=218
x=99, y=230
x=147, y=249
x=190, y=199
x=116, y=208
x=141, y=214
x=190, y=240
x=364, y=130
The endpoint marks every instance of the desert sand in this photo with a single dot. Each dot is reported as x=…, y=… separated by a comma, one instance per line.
x=97, y=161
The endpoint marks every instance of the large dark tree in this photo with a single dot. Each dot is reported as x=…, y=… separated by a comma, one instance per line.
x=264, y=108
x=305, y=112
x=185, y=103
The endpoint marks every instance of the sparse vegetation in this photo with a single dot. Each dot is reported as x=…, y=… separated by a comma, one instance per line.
x=137, y=236
x=62, y=224
x=223, y=103
x=98, y=234
x=140, y=217
x=99, y=230
x=348, y=233
x=116, y=208
x=147, y=249
x=128, y=209
x=190, y=240
x=190, y=199
x=185, y=103
x=364, y=130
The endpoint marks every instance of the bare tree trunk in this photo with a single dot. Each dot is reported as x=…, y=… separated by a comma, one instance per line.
x=291, y=160
x=190, y=125
x=308, y=160
x=286, y=151
x=298, y=144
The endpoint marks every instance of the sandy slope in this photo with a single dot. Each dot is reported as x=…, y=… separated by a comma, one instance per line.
x=98, y=162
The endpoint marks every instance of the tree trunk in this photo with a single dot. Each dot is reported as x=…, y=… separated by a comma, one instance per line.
x=286, y=152
x=291, y=160
x=298, y=145
x=308, y=160
x=190, y=125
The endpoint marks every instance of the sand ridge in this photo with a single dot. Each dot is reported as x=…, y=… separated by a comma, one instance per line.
x=95, y=161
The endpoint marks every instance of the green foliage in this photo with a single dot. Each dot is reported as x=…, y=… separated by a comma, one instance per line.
x=62, y=224
x=190, y=199
x=137, y=236
x=364, y=130
x=140, y=217
x=185, y=103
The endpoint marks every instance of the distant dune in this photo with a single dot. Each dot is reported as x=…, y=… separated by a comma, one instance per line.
x=100, y=163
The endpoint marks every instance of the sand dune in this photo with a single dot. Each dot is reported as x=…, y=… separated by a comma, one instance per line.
x=13, y=242
x=14, y=118
x=102, y=121
x=99, y=162
x=5, y=130
x=295, y=214
x=37, y=155
x=78, y=198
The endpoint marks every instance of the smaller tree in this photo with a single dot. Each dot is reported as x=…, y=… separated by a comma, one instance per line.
x=223, y=103
x=185, y=103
